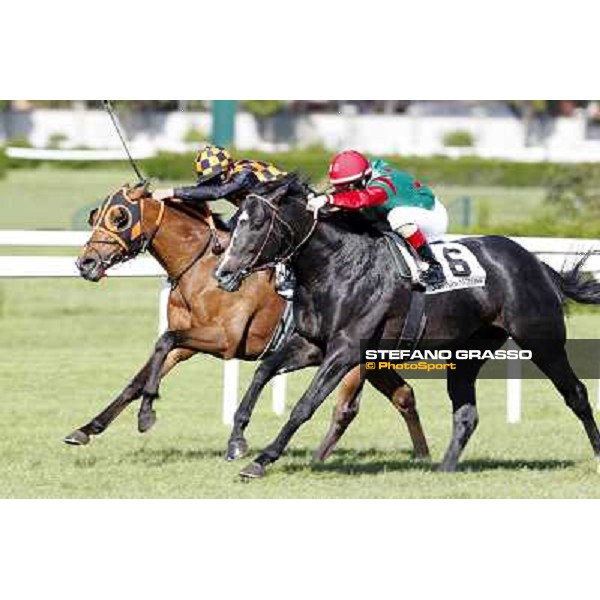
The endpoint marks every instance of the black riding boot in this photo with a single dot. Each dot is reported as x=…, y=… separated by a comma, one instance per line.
x=434, y=276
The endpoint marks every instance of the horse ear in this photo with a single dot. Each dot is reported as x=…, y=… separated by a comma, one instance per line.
x=92, y=217
x=140, y=190
x=144, y=188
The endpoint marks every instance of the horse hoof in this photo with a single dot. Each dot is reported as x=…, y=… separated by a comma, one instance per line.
x=253, y=471
x=422, y=458
x=443, y=468
x=146, y=420
x=236, y=449
x=77, y=438
x=322, y=454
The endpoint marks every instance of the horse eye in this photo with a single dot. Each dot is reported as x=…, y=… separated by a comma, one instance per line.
x=119, y=219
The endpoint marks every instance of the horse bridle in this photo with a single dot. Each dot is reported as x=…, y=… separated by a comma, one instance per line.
x=133, y=240
x=291, y=248
x=136, y=241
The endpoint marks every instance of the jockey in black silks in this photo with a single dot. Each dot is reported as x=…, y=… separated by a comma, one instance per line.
x=219, y=176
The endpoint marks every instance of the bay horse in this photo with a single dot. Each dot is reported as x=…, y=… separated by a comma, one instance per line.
x=202, y=317
x=348, y=290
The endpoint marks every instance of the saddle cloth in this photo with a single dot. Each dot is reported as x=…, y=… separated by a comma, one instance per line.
x=282, y=332
x=461, y=267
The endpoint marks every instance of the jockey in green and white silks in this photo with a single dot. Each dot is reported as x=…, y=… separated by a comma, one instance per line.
x=383, y=192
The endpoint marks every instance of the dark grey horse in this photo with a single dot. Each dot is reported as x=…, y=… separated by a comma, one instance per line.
x=348, y=291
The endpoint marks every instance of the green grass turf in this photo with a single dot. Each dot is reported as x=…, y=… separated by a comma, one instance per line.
x=69, y=346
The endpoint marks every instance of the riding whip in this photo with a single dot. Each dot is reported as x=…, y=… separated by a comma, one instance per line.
x=113, y=118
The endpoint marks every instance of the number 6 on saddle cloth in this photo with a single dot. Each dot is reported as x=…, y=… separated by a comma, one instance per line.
x=461, y=269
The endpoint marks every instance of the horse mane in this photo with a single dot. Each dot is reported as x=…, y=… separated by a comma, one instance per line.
x=291, y=184
x=351, y=221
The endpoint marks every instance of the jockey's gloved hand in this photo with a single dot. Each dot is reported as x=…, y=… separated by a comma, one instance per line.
x=163, y=194
x=318, y=202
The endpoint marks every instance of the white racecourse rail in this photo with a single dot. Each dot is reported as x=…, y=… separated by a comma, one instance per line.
x=553, y=251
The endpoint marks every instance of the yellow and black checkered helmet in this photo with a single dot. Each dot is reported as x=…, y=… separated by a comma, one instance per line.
x=212, y=161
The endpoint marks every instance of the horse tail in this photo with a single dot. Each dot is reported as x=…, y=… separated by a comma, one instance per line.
x=574, y=284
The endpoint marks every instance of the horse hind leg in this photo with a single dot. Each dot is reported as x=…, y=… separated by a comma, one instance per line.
x=551, y=358
x=347, y=406
x=461, y=389
x=402, y=397
x=345, y=410
x=404, y=401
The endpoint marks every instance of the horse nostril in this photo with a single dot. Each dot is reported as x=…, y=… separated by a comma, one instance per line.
x=219, y=272
x=86, y=264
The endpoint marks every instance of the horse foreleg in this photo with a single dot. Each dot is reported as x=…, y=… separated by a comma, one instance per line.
x=296, y=354
x=172, y=347
x=338, y=362
x=147, y=414
x=344, y=412
x=102, y=420
x=208, y=339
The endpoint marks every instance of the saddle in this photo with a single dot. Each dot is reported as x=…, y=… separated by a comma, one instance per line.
x=461, y=267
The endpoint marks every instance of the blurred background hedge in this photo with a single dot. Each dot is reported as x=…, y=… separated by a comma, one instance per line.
x=435, y=170
x=313, y=163
x=3, y=162
x=571, y=192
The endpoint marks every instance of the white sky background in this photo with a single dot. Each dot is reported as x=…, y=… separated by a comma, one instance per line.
x=273, y=49
x=321, y=549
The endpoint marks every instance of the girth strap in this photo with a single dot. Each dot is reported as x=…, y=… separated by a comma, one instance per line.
x=415, y=321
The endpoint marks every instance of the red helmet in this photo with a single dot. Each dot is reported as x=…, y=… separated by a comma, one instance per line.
x=348, y=166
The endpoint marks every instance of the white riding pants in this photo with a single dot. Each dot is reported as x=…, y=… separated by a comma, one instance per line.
x=433, y=223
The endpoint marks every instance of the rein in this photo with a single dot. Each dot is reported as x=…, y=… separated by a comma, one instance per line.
x=292, y=248
x=174, y=281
